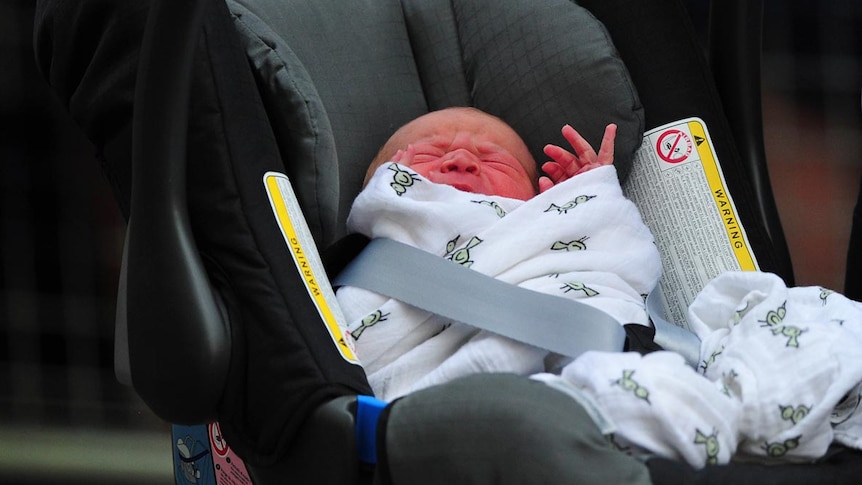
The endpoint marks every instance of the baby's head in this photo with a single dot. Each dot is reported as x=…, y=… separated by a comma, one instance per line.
x=466, y=148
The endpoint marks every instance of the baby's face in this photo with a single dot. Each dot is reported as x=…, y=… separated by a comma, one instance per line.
x=467, y=149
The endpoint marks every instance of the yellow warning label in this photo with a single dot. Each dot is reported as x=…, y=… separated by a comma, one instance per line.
x=298, y=238
x=719, y=193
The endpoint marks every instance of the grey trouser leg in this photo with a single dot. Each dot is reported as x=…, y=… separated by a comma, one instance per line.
x=500, y=429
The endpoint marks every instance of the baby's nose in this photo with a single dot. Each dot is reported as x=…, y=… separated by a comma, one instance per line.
x=460, y=161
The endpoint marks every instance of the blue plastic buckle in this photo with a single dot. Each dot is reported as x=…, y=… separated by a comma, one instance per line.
x=368, y=411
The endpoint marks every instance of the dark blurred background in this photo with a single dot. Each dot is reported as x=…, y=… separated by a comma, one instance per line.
x=63, y=416
x=812, y=87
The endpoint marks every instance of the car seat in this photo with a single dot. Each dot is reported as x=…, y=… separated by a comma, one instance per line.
x=240, y=324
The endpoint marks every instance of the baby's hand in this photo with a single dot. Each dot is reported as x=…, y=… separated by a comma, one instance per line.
x=565, y=165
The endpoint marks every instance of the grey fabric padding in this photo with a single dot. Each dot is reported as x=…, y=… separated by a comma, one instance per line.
x=537, y=64
x=433, y=30
x=462, y=432
x=338, y=78
x=297, y=117
x=351, y=66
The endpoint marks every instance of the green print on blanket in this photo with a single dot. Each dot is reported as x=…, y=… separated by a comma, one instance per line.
x=711, y=360
x=824, y=294
x=794, y=415
x=576, y=245
x=369, y=321
x=711, y=443
x=775, y=317
x=402, y=179
x=774, y=320
x=631, y=385
x=501, y=213
x=565, y=208
x=778, y=450
x=575, y=286
x=461, y=256
x=738, y=314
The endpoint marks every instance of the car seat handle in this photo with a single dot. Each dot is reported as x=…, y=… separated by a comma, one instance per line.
x=173, y=319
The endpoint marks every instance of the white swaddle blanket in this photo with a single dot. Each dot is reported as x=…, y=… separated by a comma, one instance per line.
x=581, y=239
x=779, y=377
x=780, y=374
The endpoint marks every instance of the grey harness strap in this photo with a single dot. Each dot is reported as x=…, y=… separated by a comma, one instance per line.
x=670, y=336
x=430, y=283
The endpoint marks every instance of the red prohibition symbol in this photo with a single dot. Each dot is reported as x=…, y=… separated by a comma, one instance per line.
x=218, y=443
x=673, y=146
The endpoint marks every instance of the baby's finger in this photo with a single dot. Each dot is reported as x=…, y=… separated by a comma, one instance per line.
x=553, y=170
x=606, y=151
x=545, y=183
x=408, y=154
x=557, y=153
x=568, y=162
x=582, y=148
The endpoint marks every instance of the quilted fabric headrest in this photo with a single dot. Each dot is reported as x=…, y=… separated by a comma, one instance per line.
x=339, y=77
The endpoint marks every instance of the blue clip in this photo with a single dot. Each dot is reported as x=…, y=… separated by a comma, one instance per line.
x=368, y=411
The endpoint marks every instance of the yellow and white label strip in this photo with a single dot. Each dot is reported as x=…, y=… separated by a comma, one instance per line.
x=302, y=248
x=723, y=201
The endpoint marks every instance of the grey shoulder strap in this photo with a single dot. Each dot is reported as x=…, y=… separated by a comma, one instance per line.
x=430, y=283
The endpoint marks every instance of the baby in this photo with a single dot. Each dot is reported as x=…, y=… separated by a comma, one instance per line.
x=474, y=151
x=462, y=184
